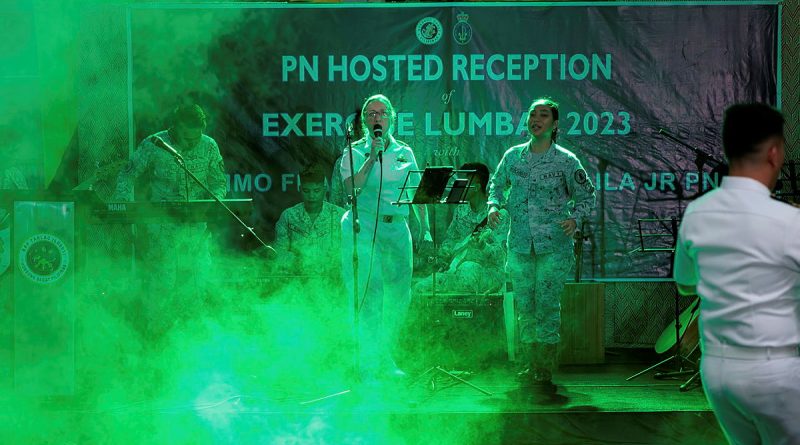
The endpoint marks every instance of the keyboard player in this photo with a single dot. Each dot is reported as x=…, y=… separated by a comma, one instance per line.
x=173, y=257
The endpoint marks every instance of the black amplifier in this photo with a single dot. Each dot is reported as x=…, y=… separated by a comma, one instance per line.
x=457, y=331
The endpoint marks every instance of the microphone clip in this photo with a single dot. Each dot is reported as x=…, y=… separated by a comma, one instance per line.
x=160, y=143
x=348, y=132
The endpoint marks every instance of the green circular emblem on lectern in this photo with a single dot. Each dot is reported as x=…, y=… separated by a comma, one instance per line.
x=43, y=258
x=429, y=30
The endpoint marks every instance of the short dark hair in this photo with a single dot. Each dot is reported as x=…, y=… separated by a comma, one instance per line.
x=481, y=173
x=746, y=126
x=312, y=174
x=190, y=115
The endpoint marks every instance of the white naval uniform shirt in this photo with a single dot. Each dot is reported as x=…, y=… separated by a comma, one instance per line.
x=741, y=248
x=398, y=160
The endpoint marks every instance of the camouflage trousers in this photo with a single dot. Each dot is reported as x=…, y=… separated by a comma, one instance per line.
x=174, y=263
x=538, y=281
x=469, y=277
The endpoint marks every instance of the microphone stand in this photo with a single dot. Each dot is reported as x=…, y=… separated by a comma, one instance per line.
x=602, y=168
x=356, y=229
x=356, y=299
x=360, y=303
x=181, y=164
x=701, y=158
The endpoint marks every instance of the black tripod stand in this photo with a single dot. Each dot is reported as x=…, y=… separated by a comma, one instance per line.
x=432, y=190
x=682, y=362
x=694, y=312
x=682, y=320
x=353, y=197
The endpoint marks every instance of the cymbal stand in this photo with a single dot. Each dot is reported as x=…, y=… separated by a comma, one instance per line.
x=681, y=370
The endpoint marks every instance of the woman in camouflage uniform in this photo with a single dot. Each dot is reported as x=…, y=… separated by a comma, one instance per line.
x=549, y=196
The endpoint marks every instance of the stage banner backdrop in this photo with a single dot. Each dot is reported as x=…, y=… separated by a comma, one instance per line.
x=642, y=90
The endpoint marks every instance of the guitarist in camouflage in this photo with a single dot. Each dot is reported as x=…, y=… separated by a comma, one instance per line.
x=474, y=253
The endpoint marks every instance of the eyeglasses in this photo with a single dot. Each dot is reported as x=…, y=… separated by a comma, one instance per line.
x=375, y=114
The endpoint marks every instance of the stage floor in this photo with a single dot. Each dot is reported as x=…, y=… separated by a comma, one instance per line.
x=587, y=404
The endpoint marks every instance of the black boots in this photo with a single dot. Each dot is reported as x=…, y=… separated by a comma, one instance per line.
x=548, y=363
x=528, y=359
x=539, y=362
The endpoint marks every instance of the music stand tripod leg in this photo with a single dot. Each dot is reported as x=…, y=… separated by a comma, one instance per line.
x=450, y=375
x=691, y=383
x=681, y=371
x=453, y=376
x=645, y=371
x=678, y=355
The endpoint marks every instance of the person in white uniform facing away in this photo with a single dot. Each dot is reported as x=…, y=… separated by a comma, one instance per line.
x=739, y=250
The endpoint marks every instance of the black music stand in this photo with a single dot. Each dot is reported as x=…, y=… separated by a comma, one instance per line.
x=433, y=190
x=657, y=243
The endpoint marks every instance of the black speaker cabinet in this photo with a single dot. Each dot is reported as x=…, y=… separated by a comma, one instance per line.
x=456, y=331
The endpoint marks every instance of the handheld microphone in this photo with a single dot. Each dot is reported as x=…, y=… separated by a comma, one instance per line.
x=377, y=132
x=158, y=142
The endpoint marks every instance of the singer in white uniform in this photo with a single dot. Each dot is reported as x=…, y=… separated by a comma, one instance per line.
x=739, y=249
x=174, y=256
x=381, y=164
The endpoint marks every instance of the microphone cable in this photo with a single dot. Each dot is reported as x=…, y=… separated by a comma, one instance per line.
x=374, y=233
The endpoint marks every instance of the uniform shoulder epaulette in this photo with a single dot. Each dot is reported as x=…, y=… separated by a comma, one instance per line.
x=518, y=147
x=565, y=151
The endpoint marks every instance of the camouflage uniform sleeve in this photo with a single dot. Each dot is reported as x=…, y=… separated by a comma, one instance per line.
x=494, y=254
x=138, y=163
x=339, y=211
x=216, y=172
x=282, y=243
x=495, y=247
x=458, y=230
x=581, y=191
x=13, y=179
x=499, y=182
x=337, y=195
